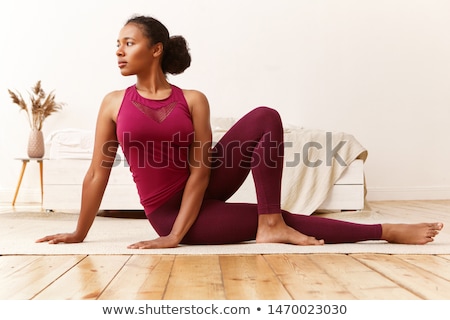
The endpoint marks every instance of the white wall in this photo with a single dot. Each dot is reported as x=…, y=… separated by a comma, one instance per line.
x=378, y=69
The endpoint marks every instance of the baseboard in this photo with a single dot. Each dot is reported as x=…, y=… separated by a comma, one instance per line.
x=408, y=193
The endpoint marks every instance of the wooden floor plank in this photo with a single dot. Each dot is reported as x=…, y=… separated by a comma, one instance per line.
x=430, y=212
x=142, y=277
x=250, y=277
x=305, y=280
x=433, y=264
x=422, y=283
x=442, y=206
x=87, y=280
x=195, y=277
x=30, y=278
x=445, y=256
x=11, y=264
x=362, y=282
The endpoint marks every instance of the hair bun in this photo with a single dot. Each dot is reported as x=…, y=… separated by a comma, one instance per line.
x=176, y=56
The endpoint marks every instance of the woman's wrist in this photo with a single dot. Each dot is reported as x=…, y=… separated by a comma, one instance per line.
x=79, y=236
x=174, y=238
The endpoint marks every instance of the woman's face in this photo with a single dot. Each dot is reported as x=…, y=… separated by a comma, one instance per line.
x=134, y=53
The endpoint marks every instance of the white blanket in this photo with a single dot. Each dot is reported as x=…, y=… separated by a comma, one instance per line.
x=306, y=185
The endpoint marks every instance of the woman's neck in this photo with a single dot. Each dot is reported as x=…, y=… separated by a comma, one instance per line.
x=153, y=86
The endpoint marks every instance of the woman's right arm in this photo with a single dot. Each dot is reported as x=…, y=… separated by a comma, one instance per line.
x=96, y=178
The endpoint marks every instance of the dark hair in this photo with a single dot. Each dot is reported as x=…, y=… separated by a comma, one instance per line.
x=176, y=57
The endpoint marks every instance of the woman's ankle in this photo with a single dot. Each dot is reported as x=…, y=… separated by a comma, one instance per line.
x=270, y=219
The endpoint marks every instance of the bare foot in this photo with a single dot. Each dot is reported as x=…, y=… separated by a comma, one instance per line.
x=273, y=229
x=420, y=233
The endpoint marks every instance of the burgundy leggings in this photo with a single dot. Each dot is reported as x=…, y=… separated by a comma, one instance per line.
x=254, y=143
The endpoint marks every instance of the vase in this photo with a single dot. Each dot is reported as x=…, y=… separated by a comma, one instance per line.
x=36, y=146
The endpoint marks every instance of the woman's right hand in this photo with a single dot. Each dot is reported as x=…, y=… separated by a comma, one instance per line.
x=62, y=238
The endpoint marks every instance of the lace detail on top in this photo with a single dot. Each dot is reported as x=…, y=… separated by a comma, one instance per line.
x=159, y=114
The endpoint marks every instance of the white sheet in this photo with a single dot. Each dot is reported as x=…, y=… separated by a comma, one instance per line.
x=70, y=144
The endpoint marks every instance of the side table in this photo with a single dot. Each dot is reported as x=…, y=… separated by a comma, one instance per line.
x=24, y=166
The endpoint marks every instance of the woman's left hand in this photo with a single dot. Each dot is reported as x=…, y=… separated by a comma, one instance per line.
x=158, y=243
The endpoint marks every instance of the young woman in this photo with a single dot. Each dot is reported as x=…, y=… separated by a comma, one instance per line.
x=183, y=182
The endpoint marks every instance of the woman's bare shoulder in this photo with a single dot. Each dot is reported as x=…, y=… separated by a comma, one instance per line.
x=193, y=93
x=114, y=96
x=196, y=99
x=111, y=103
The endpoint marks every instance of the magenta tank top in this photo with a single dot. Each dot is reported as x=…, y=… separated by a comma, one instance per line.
x=155, y=136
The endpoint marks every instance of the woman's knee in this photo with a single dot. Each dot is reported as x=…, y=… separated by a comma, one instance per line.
x=267, y=116
x=266, y=112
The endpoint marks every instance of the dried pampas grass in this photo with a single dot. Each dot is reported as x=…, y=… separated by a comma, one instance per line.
x=42, y=105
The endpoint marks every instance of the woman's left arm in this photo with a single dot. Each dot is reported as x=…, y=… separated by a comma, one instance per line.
x=199, y=165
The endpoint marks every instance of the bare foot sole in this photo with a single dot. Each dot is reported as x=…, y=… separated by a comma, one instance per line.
x=420, y=233
x=279, y=232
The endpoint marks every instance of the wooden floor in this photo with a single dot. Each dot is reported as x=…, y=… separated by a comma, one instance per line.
x=273, y=277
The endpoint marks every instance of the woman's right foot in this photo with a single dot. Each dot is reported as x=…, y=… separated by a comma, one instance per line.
x=273, y=229
x=420, y=233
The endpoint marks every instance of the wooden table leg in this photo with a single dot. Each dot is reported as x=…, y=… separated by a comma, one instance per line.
x=41, y=173
x=24, y=165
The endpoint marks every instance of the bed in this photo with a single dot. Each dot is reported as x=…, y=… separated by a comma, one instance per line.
x=324, y=171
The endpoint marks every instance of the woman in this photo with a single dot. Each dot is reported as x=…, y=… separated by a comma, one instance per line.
x=182, y=182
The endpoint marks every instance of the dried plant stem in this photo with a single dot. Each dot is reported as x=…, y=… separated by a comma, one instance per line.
x=42, y=105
